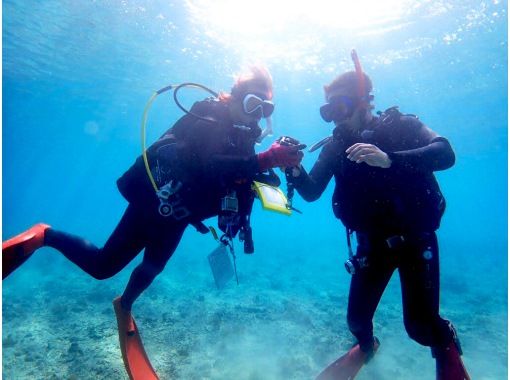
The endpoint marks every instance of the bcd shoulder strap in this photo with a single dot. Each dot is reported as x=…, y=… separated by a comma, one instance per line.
x=392, y=115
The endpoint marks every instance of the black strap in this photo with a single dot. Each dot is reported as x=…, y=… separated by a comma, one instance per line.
x=201, y=227
x=349, y=245
x=290, y=189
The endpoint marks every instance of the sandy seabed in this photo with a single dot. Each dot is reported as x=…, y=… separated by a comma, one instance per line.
x=285, y=320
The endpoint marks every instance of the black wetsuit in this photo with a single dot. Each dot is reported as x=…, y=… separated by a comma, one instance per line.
x=394, y=213
x=209, y=158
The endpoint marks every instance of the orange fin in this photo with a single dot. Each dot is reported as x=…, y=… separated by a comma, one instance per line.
x=18, y=249
x=347, y=366
x=136, y=361
x=344, y=368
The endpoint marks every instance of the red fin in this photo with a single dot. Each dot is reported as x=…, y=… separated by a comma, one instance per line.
x=344, y=368
x=347, y=366
x=136, y=361
x=18, y=249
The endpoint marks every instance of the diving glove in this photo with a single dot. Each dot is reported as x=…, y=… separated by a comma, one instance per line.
x=280, y=155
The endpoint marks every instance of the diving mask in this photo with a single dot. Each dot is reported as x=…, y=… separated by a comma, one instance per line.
x=255, y=106
x=338, y=108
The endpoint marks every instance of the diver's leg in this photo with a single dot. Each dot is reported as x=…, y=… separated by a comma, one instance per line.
x=367, y=287
x=419, y=279
x=163, y=241
x=126, y=241
x=419, y=274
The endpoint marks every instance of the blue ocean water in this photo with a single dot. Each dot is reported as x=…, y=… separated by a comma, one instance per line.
x=76, y=77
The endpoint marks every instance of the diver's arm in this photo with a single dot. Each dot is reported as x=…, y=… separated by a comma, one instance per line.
x=438, y=155
x=432, y=152
x=311, y=186
x=243, y=167
x=232, y=167
x=198, y=144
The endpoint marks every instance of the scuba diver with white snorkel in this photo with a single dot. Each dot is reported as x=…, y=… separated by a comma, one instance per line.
x=203, y=166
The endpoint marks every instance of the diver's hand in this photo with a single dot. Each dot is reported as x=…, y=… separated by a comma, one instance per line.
x=369, y=154
x=280, y=156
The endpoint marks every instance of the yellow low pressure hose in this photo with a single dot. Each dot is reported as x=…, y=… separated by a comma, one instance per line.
x=144, y=152
x=146, y=113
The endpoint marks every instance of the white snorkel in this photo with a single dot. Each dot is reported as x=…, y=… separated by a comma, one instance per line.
x=268, y=131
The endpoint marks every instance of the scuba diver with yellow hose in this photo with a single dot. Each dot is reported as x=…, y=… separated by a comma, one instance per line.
x=203, y=166
x=386, y=193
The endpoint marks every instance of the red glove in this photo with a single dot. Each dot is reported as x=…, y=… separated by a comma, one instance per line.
x=280, y=156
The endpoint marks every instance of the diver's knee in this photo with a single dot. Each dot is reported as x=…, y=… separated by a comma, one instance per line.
x=103, y=274
x=103, y=270
x=150, y=269
x=420, y=331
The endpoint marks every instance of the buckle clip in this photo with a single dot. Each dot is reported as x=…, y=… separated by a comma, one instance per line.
x=170, y=201
x=230, y=203
x=180, y=212
x=395, y=241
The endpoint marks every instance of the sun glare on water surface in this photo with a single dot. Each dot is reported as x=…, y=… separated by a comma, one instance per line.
x=276, y=29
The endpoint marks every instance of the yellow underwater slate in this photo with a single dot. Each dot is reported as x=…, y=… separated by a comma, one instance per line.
x=272, y=198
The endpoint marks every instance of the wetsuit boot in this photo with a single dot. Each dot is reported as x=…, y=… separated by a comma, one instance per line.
x=18, y=249
x=348, y=365
x=449, y=365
